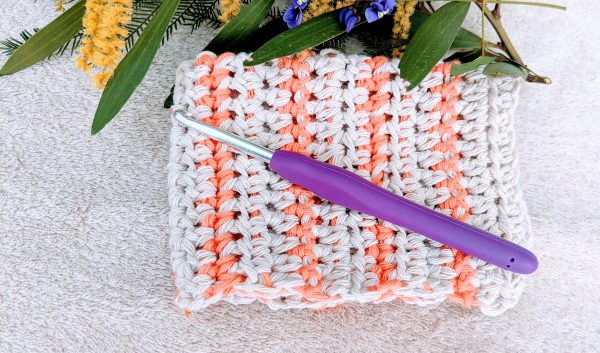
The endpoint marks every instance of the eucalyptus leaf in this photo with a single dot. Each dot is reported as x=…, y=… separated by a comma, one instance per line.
x=309, y=34
x=132, y=69
x=502, y=69
x=47, y=40
x=464, y=39
x=241, y=27
x=431, y=41
x=459, y=69
x=374, y=38
x=464, y=56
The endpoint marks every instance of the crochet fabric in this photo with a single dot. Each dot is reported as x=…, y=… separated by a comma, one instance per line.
x=241, y=233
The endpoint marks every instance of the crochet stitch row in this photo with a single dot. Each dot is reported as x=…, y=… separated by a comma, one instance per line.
x=241, y=233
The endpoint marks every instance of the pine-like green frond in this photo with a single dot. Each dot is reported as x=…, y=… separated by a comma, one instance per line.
x=194, y=13
x=190, y=13
x=10, y=44
x=274, y=13
x=375, y=38
x=70, y=46
x=143, y=11
x=338, y=43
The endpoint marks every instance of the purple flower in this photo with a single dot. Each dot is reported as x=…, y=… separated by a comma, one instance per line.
x=378, y=9
x=348, y=18
x=292, y=16
x=299, y=4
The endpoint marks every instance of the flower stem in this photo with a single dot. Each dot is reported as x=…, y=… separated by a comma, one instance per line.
x=493, y=17
x=508, y=2
x=530, y=3
x=483, y=27
x=499, y=28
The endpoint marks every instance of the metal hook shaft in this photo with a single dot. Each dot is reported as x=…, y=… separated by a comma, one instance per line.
x=232, y=140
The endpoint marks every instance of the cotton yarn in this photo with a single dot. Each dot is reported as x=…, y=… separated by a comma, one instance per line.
x=240, y=233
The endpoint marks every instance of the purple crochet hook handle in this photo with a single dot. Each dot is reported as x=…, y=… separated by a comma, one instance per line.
x=350, y=190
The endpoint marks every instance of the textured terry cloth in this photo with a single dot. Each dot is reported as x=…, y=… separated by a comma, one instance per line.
x=241, y=233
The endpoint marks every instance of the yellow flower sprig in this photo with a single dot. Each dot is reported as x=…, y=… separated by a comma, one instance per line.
x=402, y=23
x=316, y=8
x=104, y=35
x=59, y=5
x=343, y=3
x=229, y=9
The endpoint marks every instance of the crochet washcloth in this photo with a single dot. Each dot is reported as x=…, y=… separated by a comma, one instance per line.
x=240, y=233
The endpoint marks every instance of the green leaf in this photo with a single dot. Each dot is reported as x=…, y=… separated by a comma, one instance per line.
x=464, y=39
x=169, y=101
x=309, y=34
x=131, y=70
x=262, y=35
x=47, y=40
x=432, y=41
x=9, y=45
x=502, y=69
x=241, y=27
x=464, y=56
x=459, y=69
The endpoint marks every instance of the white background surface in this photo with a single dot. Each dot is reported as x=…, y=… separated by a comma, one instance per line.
x=84, y=257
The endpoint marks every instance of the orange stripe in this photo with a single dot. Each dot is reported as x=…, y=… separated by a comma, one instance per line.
x=383, y=234
x=225, y=281
x=305, y=199
x=219, y=269
x=464, y=291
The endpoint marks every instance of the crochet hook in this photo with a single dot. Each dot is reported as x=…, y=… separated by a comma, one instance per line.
x=347, y=189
